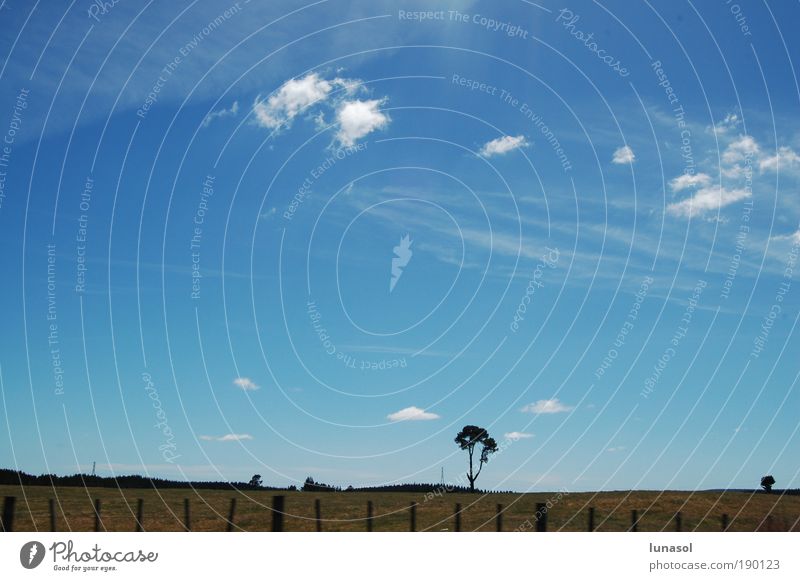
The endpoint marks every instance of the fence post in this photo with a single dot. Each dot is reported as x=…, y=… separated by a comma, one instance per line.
x=499, y=518
x=634, y=521
x=277, y=513
x=541, y=517
x=97, y=521
x=458, y=517
x=678, y=522
x=51, y=504
x=318, y=513
x=8, y=514
x=187, y=522
x=139, y=514
x=369, y=516
x=591, y=519
x=231, y=514
x=724, y=522
x=413, y=516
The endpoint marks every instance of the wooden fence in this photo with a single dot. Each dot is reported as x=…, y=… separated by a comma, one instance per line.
x=537, y=522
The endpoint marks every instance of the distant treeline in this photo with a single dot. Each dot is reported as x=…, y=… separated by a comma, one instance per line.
x=15, y=477
x=128, y=481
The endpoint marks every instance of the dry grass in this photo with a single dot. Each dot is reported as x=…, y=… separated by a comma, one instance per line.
x=346, y=511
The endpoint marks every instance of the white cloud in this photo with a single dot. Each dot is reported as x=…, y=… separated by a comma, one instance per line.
x=794, y=238
x=739, y=149
x=245, y=383
x=624, y=155
x=547, y=406
x=731, y=121
x=707, y=199
x=358, y=119
x=517, y=436
x=227, y=438
x=291, y=98
x=503, y=145
x=412, y=413
x=616, y=449
x=689, y=181
x=784, y=158
x=232, y=112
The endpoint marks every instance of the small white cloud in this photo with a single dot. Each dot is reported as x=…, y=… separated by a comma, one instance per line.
x=412, y=413
x=689, y=181
x=616, y=449
x=503, y=145
x=794, y=238
x=515, y=436
x=731, y=121
x=227, y=438
x=291, y=98
x=707, y=199
x=624, y=155
x=269, y=213
x=245, y=383
x=739, y=149
x=784, y=158
x=358, y=119
x=232, y=112
x=547, y=406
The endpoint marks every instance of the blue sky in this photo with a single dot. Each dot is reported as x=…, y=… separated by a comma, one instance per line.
x=318, y=239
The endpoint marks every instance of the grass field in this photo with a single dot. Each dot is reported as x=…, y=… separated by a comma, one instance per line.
x=346, y=511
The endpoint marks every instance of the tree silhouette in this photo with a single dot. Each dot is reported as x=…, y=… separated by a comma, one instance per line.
x=767, y=482
x=255, y=480
x=467, y=439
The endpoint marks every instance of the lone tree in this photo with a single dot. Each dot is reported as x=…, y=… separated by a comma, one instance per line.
x=255, y=480
x=467, y=439
x=767, y=482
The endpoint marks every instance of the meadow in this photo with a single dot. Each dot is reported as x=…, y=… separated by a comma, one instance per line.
x=164, y=510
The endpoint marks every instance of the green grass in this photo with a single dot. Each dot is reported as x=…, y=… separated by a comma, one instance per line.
x=346, y=511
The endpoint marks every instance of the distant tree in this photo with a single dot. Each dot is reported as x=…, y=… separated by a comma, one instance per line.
x=767, y=482
x=467, y=439
x=255, y=480
x=292, y=487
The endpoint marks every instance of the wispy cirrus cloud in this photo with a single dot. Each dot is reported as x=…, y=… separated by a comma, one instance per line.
x=515, y=436
x=227, y=438
x=707, y=199
x=547, y=406
x=221, y=113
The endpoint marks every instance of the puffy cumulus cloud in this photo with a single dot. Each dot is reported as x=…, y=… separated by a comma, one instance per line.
x=291, y=98
x=503, y=145
x=547, y=406
x=357, y=119
x=412, y=413
x=232, y=112
x=706, y=199
x=515, y=436
x=685, y=181
x=784, y=158
x=296, y=95
x=739, y=149
x=245, y=383
x=623, y=155
x=227, y=438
